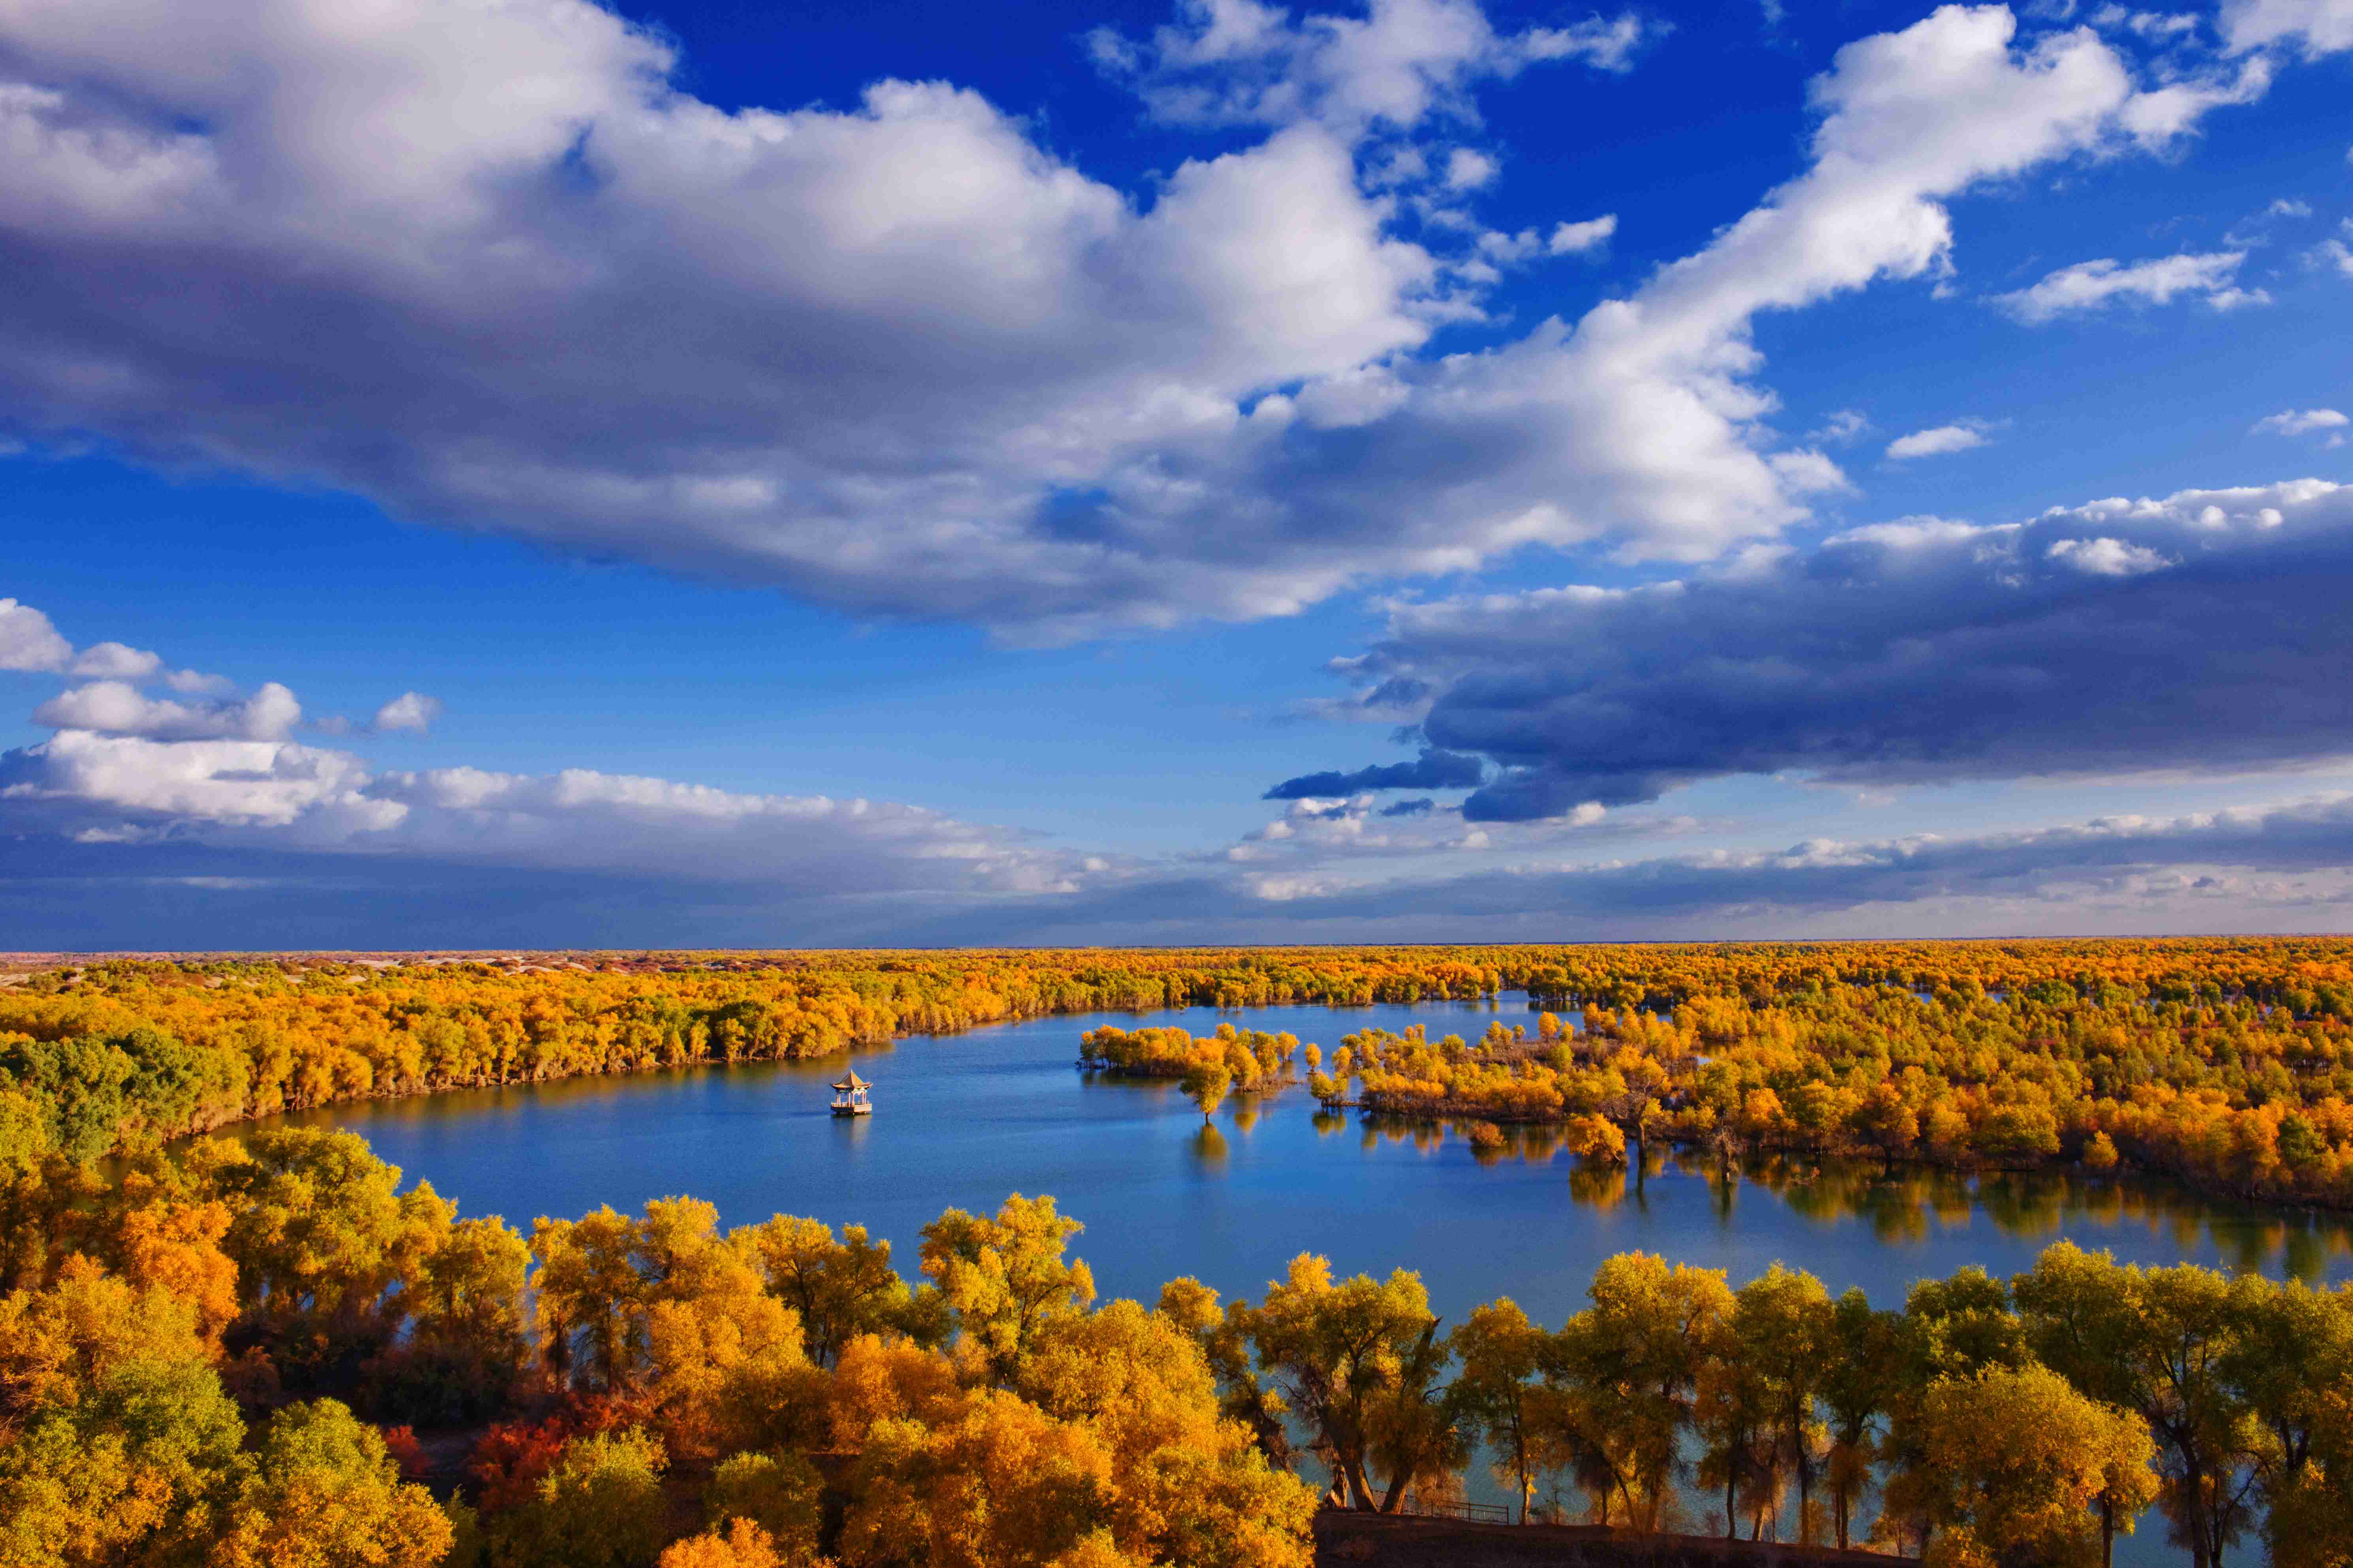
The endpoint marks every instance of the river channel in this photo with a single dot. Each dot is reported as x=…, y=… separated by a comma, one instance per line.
x=965, y=1120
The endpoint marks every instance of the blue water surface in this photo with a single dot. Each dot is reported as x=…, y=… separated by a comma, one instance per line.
x=965, y=1120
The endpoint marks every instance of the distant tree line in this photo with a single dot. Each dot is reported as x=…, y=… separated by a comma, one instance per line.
x=2227, y=1063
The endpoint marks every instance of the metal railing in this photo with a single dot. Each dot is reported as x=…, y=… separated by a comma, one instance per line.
x=1469, y=1512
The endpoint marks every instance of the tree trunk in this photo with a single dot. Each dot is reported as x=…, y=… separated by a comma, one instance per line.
x=2107, y=1533
x=2193, y=1483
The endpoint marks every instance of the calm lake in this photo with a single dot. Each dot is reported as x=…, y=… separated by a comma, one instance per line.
x=966, y=1119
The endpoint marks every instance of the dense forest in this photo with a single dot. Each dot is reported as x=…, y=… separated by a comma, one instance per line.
x=223, y=1351
x=2225, y=1062
x=224, y=1354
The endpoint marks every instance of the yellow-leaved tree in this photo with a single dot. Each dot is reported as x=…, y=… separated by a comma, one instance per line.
x=115, y=1434
x=1005, y=1279
x=2015, y=1458
x=323, y=1490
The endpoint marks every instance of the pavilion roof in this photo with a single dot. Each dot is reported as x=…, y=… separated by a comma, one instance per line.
x=853, y=1081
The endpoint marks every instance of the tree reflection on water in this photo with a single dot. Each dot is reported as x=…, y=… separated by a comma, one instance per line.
x=1905, y=1204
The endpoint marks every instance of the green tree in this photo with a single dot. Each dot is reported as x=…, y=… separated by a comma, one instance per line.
x=324, y=1243
x=25, y=1135
x=2076, y=1309
x=1500, y=1354
x=80, y=1083
x=2163, y=1343
x=1635, y=1359
x=1005, y=1279
x=1783, y=1331
x=1417, y=1431
x=1954, y=1327
x=1350, y=1360
x=2306, y=1528
x=2292, y=1365
x=2017, y=1456
x=778, y=1492
x=601, y=1506
x=467, y=1344
x=2180, y=1335
x=322, y=1490
x=1205, y=1084
x=2291, y=1355
x=173, y=1085
x=1856, y=1373
x=115, y=1434
x=840, y=1288
x=1736, y=1415
x=137, y=1461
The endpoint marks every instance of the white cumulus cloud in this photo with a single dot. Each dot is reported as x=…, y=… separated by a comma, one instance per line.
x=1229, y=62
x=28, y=642
x=409, y=710
x=1935, y=442
x=1580, y=238
x=901, y=357
x=2093, y=285
x=1844, y=426
x=118, y=708
x=1467, y=169
x=138, y=774
x=2301, y=421
x=259, y=795
x=2108, y=557
x=2320, y=26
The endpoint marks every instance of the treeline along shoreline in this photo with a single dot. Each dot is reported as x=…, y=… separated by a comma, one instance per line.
x=222, y=1354
x=2224, y=1063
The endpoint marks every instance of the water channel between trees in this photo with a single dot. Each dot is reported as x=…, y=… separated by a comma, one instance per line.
x=965, y=1120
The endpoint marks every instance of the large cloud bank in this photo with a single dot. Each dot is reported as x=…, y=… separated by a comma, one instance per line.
x=2284, y=867
x=150, y=835
x=481, y=260
x=2202, y=631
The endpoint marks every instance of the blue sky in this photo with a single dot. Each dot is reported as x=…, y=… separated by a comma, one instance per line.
x=525, y=474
